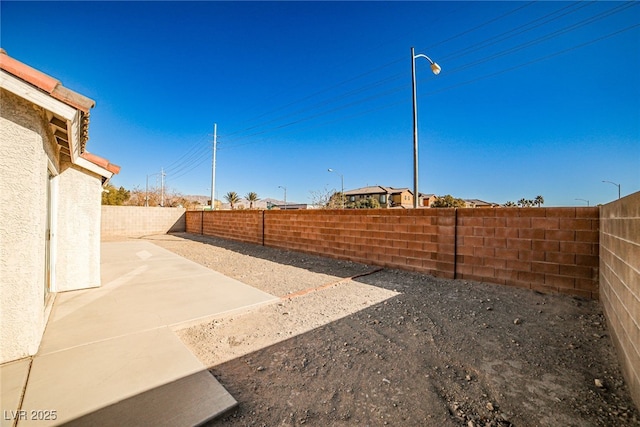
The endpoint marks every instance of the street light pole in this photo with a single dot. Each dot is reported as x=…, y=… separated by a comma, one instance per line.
x=285, y=195
x=435, y=68
x=342, y=185
x=213, y=166
x=617, y=185
x=584, y=200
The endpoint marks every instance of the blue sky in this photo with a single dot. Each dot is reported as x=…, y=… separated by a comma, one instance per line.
x=534, y=98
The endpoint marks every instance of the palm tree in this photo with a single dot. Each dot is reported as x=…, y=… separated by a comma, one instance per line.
x=252, y=197
x=510, y=204
x=232, y=197
x=539, y=200
x=522, y=202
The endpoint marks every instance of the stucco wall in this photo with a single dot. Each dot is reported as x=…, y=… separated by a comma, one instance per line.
x=77, y=233
x=24, y=146
x=620, y=282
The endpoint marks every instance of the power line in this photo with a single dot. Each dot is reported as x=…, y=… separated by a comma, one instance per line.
x=196, y=158
x=359, y=76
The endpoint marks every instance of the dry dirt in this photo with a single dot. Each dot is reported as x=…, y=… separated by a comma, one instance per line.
x=352, y=344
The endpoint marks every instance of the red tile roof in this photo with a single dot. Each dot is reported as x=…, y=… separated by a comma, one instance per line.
x=45, y=82
x=55, y=89
x=101, y=161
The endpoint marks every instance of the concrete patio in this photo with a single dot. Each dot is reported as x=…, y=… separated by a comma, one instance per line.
x=109, y=355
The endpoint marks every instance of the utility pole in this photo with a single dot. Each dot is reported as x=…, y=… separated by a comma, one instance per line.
x=162, y=174
x=213, y=166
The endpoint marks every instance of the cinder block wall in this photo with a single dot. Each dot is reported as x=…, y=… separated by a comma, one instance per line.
x=547, y=249
x=620, y=282
x=138, y=221
x=419, y=240
x=243, y=225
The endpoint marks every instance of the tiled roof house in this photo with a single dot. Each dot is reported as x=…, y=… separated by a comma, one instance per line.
x=51, y=189
x=388, y=197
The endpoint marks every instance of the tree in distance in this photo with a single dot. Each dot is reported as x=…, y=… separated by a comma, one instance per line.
x=232, y=197
x=368, y=203
x=326, y=199
x=448, y=201
x=115, y=196
x=252, y=198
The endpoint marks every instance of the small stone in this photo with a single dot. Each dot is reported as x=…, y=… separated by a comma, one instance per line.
x=260, y=368
x=517, y=321
x=490, y=406
x=598, y=383
x=468, y=378
x=471, y=424
x=384, y=380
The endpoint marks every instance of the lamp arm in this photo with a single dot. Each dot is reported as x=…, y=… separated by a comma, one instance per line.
x=420, y=55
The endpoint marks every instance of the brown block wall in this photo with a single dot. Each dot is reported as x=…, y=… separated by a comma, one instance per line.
x=419, y=240
x=620, y=282
x=546, y=249
x=242, y=225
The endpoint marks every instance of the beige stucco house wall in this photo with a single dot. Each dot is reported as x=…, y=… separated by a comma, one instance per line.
x=50, y=202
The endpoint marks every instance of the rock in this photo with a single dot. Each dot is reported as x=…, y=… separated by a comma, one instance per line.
x=490, y=406
x=598, y=383
x=517, y=321
x=260, y=368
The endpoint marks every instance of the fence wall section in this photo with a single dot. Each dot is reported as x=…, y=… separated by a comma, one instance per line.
x=546, y=249
x=420, y=240
x=620, y=282
x=243, y=225
x=137, y=221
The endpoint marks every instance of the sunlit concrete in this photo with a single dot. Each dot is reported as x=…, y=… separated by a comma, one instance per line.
x=110, y=353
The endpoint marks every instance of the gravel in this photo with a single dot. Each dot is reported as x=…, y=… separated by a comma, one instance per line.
x=352, y=344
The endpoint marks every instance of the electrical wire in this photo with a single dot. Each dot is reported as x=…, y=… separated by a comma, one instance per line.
x=196, y=156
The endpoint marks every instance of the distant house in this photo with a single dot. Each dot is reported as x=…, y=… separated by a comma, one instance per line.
x=288, y=206
x=477, y=203
x=388, y=197
x=51, y=190
x=427, y=199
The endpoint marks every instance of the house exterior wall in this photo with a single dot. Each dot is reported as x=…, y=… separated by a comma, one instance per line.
x=25, y=150
x=404, y=199
x=620, y=282
x=77, y=235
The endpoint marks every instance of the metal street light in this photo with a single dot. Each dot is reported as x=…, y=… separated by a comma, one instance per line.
x=584, y=200
x=436, y=70
x=617, y=185
x=285, y=195
x=342, y=183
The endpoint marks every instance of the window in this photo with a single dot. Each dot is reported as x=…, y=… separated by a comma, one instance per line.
x=352, y=198
x=383, y=198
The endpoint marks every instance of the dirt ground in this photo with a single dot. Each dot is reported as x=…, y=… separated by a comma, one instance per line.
x=352, y=344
